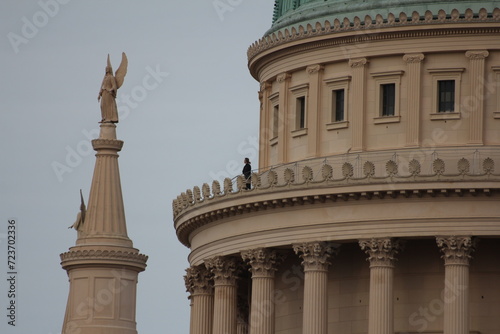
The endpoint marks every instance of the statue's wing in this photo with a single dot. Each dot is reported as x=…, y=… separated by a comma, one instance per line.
x=121, y=71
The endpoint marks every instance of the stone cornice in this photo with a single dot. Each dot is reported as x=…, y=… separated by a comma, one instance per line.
x=272, y=189
x=114, y=144
x=439, y=17
x=100, y=257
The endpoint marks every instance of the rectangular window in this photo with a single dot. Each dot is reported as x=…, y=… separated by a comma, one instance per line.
x=338, y=96
x=446, y=95
x=301, y=112
x=275, y=120
x=388, y=99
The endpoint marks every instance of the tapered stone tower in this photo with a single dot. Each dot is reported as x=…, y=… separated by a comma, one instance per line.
x=103, y=265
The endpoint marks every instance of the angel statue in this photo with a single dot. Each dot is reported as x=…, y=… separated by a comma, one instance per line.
x=110, y=85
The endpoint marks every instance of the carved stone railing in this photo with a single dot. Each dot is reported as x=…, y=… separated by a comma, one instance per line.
x=406, y=166
x=357, y=24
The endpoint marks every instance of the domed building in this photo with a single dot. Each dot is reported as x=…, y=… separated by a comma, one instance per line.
x=374, y=208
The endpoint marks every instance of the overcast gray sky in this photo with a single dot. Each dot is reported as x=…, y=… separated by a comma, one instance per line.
x=189, y=112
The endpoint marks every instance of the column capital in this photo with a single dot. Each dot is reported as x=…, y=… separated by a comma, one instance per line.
x=265, y=85
x=413, y=58
x=282, y=77
x=224, y=269
x=263, y=261
x=198, y=280
x=477, y=54
x=313, y=69
x=456, y=249
x=358, y=62
x=381, y=251
x=315, y=255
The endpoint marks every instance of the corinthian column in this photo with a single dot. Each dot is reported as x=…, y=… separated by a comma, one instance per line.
x=381, y=254
x=225, y=271
x=200, y=285
x=315, y=257
x=456, y=257
x=263, y=264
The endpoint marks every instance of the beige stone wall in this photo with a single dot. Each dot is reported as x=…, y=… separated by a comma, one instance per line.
x=443, y=58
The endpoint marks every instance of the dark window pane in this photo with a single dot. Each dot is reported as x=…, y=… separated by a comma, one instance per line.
x=301, y=112
x=388, y=92
x=338, y=105
x=446, y=95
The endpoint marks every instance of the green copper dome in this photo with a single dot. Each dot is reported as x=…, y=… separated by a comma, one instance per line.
x=289, y=13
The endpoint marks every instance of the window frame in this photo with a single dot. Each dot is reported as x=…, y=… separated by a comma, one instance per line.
x=387, y=78
x=336, y=84
x=274, y=117
x=445, y=74
x=299, y=92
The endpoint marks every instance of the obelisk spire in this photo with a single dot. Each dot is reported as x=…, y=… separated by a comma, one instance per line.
x=105, y=219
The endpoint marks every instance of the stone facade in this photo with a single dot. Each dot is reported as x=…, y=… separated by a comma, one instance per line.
x=374, y=207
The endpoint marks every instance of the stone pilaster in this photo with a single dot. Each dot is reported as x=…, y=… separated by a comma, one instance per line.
x=199, y=284
x=381, y=253
x=456, y=254
x=357, y=110
x=283, y=80
x=414, y=64
x=266, y=129
x=476, y=99
x=315, y=260
x=224, y=270
x=315, y=73
x=263, y=263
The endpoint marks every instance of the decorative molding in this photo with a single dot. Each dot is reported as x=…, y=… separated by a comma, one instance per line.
x=199, y=281
x=263, y=262
x=224, y=269
x=456, y=249
x=280, y=78
x=113, y=144
x=392, y=178
x=357, y=62
x=413, y=58
x=436, y=20
x=103, y=256
x=313, y=69
x=480, y=54
x=381, y=252
x=315, y=255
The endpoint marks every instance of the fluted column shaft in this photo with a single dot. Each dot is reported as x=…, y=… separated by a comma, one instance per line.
x=456, y=256
x=265, y=125
x=263, y=264
x=225, y=294
x=199, y=283
x=381, y=254
x=315, y=256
